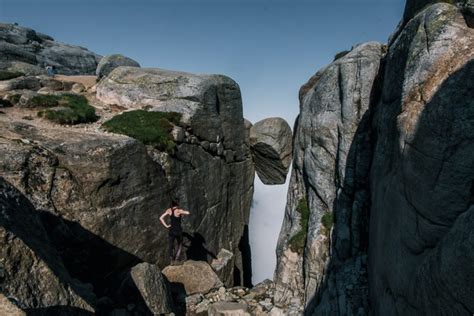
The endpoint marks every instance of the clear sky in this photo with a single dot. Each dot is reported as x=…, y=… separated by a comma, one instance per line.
x=269, y=47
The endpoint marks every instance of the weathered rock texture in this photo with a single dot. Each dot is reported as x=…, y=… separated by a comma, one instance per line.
x=271, y=146
x=409, y=121
x=110, y=62
x=33, y=274
x=28, y=51
x=330, y=170
x=95, y=189
x=195, y=276
x=153, y=288
x=422, y=215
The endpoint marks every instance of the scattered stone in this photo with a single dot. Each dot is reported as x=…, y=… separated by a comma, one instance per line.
x=196, y=276
x=228, y=309
x=153, y=287
x=223, y=264
x=78, y=87
x=110, y=62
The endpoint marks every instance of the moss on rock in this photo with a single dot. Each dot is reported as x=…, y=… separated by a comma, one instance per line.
x=151, y=128
x=67, y=109
x=298, y=241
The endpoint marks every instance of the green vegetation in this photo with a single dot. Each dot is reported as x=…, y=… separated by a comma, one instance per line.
x=44, y=100
x=71, y=109
x=327, y=220
x=297, y=242
x=151, y=128
x=7, y=75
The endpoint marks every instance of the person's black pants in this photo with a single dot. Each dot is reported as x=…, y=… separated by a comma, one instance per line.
x=179, y=239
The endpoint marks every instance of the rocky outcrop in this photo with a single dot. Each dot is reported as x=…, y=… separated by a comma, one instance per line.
x=95, y=189
x=153, y=288
x=271, y=146
x=330, y=174
x=422, y=176
x=194, y=276
x=33, y=274
x=8, y=308
x=110, y=62
x=394, y=150
x=28, y=51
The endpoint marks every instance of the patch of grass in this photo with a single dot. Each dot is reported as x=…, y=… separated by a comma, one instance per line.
x=297, y=242
x=327, y=220
x=72, y=109
x=7, y=75
x=44, y=100
x=151, y=128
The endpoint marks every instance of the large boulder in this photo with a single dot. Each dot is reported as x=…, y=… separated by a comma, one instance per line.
x=421, y=246
x=210, y=104
x=271, y=146
x=110, y=62
x=330, y=180
x=28, y=51
x=153, y=288
x=195, y=276
x=33, y=273
x=97, y=188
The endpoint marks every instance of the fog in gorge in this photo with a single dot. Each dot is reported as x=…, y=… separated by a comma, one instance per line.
x=266, y=217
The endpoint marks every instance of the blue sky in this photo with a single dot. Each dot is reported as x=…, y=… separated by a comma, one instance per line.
x=269, y=47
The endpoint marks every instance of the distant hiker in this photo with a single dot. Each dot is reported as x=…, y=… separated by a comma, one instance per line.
x=50, y=70
x=175, y=231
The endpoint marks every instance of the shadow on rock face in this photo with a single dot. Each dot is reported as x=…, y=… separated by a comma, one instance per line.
x=196, y=250
x=57, y=310
x=86, y=256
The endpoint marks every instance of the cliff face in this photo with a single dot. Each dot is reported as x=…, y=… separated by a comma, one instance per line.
x=393, y=173
x=100, y=195
x=421, y=239
x=330, y=168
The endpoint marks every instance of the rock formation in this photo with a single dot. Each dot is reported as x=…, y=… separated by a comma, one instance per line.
x=330, y=170
x=110, y=62
x=153, y=288
x=194, y=276
x=33, y=274
x=380, y=199
x=99, y=195
x=27, y=51
x=271, y=146
x=422, y=174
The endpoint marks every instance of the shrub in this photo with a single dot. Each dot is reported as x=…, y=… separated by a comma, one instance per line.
x=73, y=109
x=151, y=128
x=44, y=100
x=327, y=220
x=297, y=242
x=7, y=75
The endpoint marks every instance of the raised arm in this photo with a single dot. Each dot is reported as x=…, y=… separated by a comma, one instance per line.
x=162, y=218
x=183, y=211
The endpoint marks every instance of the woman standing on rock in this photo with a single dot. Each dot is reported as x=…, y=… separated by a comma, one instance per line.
x=174, y=230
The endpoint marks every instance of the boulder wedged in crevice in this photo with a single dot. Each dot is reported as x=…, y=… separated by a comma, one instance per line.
x=271, y=147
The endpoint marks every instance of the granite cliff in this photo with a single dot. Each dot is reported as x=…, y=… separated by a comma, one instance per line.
x=379, y=213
